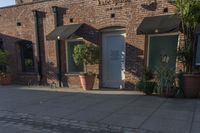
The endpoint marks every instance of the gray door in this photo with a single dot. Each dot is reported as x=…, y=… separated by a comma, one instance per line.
x=113, y=60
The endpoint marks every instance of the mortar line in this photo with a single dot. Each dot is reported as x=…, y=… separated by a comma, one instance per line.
x=193, y=115
x=156, y=109
x=137, y=98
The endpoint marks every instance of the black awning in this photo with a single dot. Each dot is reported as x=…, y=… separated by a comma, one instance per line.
x=63, y=32
x=197, y=30
x=159, y=24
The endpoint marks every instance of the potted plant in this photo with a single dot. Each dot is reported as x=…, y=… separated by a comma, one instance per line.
x=86, y=54
x=5, y=78
x=165, y=79
x=146, y=84
x=188, y=11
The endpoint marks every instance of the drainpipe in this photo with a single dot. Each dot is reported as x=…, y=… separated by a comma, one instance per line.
x=38, y=45
x=58, y=46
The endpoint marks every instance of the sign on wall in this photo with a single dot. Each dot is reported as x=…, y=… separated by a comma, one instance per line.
x=109, y=2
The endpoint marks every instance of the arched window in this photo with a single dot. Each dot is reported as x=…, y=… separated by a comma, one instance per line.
x=26, y=52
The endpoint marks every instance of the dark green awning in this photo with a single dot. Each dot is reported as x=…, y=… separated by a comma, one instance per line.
x=63, y=32
x=159, y=24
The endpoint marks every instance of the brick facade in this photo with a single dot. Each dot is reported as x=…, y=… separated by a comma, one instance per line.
x=94, y=13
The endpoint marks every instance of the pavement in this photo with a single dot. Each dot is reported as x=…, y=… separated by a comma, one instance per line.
x=50, y=110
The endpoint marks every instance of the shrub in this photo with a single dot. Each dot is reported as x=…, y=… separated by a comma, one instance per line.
x=4, y=57
x=86, y=54
x=146, y=86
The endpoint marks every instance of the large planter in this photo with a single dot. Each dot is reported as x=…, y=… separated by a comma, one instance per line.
x=5, y=79
x=87, y=81
x=191, y=85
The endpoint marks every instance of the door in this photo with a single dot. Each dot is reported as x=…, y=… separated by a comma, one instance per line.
x=113, y=59
x=162, y=51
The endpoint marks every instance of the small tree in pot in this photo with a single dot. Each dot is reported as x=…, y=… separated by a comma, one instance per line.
x=188, y=11
x=5, y=78
x=86, y=54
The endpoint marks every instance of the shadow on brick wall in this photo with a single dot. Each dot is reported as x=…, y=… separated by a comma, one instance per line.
x=134, y=65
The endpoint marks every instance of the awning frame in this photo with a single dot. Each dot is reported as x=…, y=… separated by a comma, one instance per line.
x=159, y=25
x=63, y=32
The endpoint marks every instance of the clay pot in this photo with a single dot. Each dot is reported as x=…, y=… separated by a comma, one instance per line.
x=5, y=79
x=191, y=85
x=87, y=82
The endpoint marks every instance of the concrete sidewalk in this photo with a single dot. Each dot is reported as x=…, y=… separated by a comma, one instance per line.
x=72, y=110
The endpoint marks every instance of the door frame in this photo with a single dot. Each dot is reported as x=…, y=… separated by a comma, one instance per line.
x=111, y=32
x=164, y=34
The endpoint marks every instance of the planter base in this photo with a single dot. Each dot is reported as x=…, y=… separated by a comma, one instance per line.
x=191, y=85
x=87, y=82
x=5, y=80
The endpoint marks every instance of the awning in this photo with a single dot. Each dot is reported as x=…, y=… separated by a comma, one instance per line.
x=159, y=24
x=63, y=32
x=197, y=30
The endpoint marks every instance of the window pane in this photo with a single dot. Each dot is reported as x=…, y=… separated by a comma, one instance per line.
x=72, y=67
x=1, y=44
x=2, y=67
x=27, y=57
x=198, y=51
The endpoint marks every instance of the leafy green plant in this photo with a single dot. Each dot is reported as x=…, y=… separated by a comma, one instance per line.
x=188, y=11
x=145, y=84
x=165, y=78
x=180, y=92
x=86, y=54
x=4, y=57
x=148, y=74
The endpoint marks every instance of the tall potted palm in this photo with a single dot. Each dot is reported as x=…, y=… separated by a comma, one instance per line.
x=188, y=11
x=86, y=54
x=5, y=78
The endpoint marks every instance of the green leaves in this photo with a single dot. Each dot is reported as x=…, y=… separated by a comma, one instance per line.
x=4, y=55
x=86, y=54
x=189, y=12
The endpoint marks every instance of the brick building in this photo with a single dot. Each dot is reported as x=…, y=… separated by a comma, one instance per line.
x=40, y=36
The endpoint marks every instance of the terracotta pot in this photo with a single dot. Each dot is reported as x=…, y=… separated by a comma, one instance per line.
x=191, y=85
x=5, y=79
x=87, y=82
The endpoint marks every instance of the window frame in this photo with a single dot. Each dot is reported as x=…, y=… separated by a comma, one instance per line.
x=22, y=58
x=67, y=57
x=1, y=44
x=2, y=67
x=163, y=34
x=196, y=54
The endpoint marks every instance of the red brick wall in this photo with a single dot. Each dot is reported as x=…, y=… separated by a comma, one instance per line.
x=89, y=12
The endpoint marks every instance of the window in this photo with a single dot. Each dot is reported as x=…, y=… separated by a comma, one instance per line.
x=71, y=66
x=1, y=44
x=26, y=50
x=198, y=51
x=2, y=67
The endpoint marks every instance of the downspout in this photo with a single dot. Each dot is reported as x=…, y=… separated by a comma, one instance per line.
x=58, y=46
x=38, y=45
